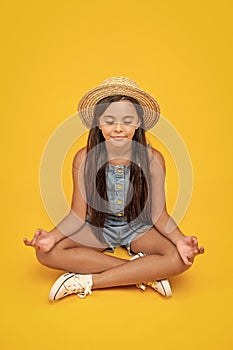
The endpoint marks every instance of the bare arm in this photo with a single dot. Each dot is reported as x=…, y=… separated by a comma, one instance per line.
x=187, y=246
x=160, y=217
x=75, y=220
x=77, y=215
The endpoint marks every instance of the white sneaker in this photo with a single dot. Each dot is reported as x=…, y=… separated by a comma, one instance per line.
x=161, y=286
x=71, y=283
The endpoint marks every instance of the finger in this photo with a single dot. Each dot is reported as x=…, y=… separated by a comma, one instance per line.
x=194, y=241
x=38, y=233
x=202, y=250
x=29, y=243
x=34, y=242
x=191, y=240
x=193, y=254
x=186, y=261
x=26, y=241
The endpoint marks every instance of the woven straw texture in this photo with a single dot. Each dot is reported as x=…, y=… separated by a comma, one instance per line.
x=118, y=86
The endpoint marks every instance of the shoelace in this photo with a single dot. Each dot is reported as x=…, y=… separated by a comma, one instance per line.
x=85, y=292
x=79, y=287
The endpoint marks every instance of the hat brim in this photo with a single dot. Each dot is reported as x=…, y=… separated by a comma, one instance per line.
x=151, y=110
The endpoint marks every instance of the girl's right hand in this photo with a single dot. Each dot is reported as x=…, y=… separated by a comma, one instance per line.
x=42, y=240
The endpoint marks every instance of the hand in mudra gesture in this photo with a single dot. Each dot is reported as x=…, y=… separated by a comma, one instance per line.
x=42, y=240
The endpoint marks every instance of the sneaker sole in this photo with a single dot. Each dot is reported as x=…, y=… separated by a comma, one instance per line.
x=166, y=288
x=58, y=284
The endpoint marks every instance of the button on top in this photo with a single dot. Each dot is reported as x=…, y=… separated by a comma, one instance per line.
x=120, y=170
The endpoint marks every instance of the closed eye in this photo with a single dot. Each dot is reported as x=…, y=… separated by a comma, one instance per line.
x=128, y=122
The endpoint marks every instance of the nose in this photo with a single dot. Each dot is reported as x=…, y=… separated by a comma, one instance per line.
x=118, y=127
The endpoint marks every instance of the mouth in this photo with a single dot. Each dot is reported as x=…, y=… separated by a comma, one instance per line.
x=118, y=137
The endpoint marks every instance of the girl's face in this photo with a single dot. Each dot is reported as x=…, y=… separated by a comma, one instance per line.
x=119, y=121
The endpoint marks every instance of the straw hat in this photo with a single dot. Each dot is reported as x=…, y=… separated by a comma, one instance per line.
x=118, y=86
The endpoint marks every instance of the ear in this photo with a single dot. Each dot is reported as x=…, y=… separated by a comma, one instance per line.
x=138, y=124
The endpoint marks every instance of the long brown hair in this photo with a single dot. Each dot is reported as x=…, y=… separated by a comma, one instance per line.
x=95, y=170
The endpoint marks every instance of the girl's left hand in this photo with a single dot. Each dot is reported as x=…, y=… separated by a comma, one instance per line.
x=188, y=249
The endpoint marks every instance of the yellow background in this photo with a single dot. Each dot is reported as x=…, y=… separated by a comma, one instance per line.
x=52, y=53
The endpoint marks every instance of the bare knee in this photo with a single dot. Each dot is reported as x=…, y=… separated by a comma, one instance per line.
x=177, y=263
x=45, y=258
x=41, y=257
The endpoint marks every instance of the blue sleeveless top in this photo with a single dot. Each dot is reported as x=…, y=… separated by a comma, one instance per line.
x=117, y=182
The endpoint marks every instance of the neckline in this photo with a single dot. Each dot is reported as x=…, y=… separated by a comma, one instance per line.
x=119, y=165
x=116, y=165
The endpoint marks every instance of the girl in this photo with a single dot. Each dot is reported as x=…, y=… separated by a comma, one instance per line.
x=118, y=200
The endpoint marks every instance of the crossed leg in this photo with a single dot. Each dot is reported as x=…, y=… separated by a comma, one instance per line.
x=161, y=261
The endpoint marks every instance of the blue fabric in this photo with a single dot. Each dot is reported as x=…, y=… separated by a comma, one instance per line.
x=117, y=231
x=117, y=180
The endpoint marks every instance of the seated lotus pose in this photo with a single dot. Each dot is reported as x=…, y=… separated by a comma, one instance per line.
x=118, y=200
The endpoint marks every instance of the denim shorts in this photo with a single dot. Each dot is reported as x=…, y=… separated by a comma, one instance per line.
x=118, y=232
